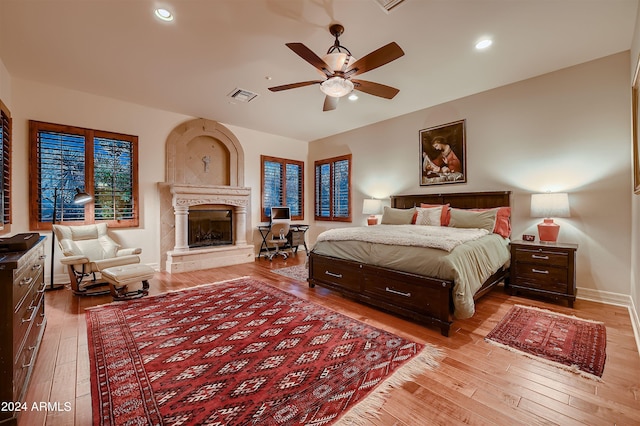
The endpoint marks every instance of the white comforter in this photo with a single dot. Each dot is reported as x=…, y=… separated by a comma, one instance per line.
x=439, y=237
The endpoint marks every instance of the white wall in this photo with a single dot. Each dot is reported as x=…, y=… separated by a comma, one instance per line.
x=564, y=131
x=35, y=101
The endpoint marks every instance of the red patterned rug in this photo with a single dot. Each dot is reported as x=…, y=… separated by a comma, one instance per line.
x=568, y=342
x=240, y=353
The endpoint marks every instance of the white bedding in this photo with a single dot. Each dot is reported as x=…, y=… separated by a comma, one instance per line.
x=469, y=264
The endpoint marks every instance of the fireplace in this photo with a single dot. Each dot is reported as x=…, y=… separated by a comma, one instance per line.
x=210, y=227
x=205, y=209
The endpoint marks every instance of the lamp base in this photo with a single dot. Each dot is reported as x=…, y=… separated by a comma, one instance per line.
x=372, y=220
x=548, y=231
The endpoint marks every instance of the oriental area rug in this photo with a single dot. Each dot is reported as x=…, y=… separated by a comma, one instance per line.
x=241, y=352
x=565, y=341
x=297, y=272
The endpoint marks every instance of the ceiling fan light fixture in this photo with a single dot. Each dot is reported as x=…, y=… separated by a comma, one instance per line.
x=336, y=87
x=336, y=61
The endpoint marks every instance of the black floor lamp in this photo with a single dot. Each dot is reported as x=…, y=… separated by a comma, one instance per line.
x=81, y=198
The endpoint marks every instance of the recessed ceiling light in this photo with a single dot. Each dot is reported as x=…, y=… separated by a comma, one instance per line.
x=483, y=44
x=353, y=97
x=163, y=14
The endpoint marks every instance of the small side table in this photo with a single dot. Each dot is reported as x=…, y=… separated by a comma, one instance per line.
x=546, y=269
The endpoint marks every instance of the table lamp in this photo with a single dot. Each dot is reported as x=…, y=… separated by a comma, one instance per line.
x=549, y=205
x=372, y=207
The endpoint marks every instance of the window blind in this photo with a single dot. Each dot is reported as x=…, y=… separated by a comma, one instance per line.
x=61, y=169
x=282, y=185
x=5, y=167
x=113, y=179
x=333, y=189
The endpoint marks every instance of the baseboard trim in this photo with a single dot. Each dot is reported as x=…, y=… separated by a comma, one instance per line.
x=616, y=299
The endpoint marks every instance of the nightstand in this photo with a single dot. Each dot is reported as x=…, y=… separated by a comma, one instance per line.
x=546, y=269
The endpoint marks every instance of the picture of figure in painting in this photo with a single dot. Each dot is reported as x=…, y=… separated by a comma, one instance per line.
x=442, y=154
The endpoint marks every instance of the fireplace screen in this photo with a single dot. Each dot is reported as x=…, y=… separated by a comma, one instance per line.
x=210, y=228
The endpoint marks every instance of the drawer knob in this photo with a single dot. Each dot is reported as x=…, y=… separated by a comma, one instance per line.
x=26, y=281
x=539, y=271
x=537, y=256
x=333, y=274
x=390, y=290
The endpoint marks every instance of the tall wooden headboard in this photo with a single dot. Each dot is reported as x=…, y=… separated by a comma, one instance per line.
x=461, y=200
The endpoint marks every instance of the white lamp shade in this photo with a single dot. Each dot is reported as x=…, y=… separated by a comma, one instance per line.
x=372, y=206
x=550, y=205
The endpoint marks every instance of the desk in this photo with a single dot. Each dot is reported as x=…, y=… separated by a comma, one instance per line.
x=295, y=237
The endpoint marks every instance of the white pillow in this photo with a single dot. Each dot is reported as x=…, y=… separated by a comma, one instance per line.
x=428, y=215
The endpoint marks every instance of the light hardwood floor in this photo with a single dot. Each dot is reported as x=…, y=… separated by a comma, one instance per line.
x=476, y=383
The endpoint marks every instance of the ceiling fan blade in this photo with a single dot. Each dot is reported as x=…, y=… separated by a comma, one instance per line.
x=375, y=89
x=375, y=59
x=307, y=54
x=294, y=85
x=330, y=103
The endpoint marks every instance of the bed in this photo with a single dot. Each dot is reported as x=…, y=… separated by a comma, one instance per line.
x=383, y=278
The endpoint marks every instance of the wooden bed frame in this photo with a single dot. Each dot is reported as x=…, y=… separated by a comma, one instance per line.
x=425, y=299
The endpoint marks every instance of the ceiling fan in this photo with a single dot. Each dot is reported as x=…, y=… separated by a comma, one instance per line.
x=338, y=66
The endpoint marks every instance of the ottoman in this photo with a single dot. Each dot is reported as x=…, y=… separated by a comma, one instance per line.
x=120, y=277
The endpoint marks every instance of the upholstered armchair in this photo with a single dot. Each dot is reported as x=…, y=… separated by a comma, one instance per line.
x=87, y=250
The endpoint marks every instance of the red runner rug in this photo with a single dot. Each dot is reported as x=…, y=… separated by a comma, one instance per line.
x=568, y=342
x=240, y=353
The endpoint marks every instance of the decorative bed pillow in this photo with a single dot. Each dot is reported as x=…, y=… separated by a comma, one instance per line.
x=461, y=218
x=392, y=216
x=446, y=212
x=503, y=221
x=428, y=216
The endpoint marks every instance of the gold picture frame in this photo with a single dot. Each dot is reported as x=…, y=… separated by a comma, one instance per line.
x=635, y=88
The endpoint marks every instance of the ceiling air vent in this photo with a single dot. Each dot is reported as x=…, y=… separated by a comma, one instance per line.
x=387, y=5
x=242, y=95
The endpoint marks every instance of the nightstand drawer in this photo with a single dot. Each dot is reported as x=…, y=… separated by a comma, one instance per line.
x=548, y=279
x=542, y=257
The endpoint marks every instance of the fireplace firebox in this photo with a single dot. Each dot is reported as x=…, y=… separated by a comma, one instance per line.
x=210, y=227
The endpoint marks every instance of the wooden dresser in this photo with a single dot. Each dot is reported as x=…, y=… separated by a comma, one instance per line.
x=22, y=326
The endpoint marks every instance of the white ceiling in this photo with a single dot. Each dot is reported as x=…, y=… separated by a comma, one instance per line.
x=116, y=48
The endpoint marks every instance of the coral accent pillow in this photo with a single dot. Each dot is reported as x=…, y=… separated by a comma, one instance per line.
x=445, y=218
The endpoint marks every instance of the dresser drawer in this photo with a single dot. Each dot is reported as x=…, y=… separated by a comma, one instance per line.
x=26, y=355
x=345, y=274
x=27, y=275
x=542, y=257
x=27, y=313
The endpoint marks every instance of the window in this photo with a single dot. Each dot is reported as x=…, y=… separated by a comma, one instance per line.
x=5, y=166
x=333, y=189
x=65, y=159
x=282, y=185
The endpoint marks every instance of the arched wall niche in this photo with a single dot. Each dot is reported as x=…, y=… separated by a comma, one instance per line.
x=204, y=152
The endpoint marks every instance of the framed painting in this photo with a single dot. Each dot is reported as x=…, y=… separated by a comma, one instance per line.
x=442, y=154
x=636, y=129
